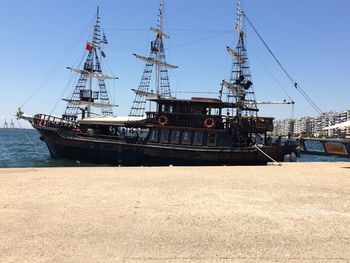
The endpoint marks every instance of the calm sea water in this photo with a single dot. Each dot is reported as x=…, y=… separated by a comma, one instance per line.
x=23, y=148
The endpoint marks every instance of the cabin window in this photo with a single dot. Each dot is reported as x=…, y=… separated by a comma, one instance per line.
x=166, y=108
x=212, y=136
x=186, y=137
x=198, y=110
x=162, y=108
x=185, y=108
x=215, y=112
x=154, y=136
x=113, y=130
x=164, y=137
x=175, y=137
x=198, y=138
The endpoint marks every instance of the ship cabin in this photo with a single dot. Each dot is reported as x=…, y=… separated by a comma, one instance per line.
x=202, y=122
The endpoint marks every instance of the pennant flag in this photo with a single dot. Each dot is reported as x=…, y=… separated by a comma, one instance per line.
x=88, y=46
x=104, y=39
x=103, y=54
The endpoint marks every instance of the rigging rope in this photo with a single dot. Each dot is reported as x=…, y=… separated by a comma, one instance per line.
x=189, y=31
x=198, y=40
x=57, y=65
x=69, y=83
x=105, y=64
x=25, y=135
x=270, y=72
x=59, y=99
x=295, y=84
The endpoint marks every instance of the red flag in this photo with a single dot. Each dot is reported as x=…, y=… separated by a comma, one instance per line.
x=88, y=46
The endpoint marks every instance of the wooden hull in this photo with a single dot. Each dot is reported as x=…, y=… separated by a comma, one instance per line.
x=119, y=152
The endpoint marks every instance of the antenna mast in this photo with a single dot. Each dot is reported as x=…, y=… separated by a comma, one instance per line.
x=158, y=60
x=159, y=47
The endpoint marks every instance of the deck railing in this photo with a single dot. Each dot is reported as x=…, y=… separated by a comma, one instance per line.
x=43, y=120
x=185, y=120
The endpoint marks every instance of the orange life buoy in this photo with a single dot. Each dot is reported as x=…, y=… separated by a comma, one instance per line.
x=163, y=120
x=209, y=123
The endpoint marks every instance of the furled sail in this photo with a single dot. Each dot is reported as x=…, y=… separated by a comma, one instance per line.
x=237, y=90
x=157, y=31
x=155, y=62
x=229, y=85
x=94, y=74
x=235, y=55
x=94, y=104
x=150, y=95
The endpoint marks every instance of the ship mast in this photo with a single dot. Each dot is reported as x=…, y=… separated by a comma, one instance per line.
x=240, y=83
x=156, y=59
x=85, y=96
x=6, y=124
x=159, y=47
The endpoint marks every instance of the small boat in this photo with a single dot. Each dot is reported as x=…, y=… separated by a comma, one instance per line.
x=224, y=130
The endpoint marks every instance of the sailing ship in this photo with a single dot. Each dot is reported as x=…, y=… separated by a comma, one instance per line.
x=225, y=130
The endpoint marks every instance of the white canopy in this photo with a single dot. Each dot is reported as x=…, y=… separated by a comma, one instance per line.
x=342, y=125
x=111, y=120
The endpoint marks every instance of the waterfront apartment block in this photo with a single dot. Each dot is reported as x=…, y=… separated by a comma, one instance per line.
x=313, y=126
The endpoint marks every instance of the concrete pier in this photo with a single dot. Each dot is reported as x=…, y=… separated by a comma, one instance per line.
x=298, y=212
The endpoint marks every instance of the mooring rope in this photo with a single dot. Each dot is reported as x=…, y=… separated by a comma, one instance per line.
x=268, y=156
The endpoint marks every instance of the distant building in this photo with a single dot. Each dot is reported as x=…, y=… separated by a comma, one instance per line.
x=303, y=125
x=334, y=118
x=283, y=127
x=313, y=127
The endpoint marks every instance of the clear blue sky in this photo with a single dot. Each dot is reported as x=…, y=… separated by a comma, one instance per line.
x=310, y=37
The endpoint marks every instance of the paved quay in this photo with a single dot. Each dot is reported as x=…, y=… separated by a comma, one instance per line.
x=298, y=212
